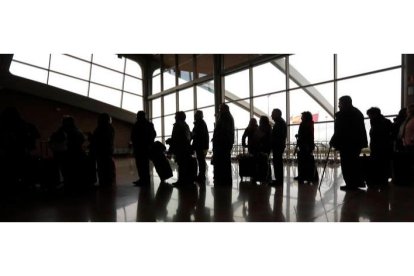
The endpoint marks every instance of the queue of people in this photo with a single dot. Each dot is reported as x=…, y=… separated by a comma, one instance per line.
x=391, y=148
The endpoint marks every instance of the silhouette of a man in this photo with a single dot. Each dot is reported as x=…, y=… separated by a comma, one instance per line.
x=349, y=138
x=223, y=140
x=142, y=137
x=200, y=144
x=278, y=143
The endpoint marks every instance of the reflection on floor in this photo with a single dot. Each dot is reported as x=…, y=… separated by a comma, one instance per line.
x=243, y=202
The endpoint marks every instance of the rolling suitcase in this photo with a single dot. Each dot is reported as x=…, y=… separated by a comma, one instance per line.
x=246, y=165
x=160, y=161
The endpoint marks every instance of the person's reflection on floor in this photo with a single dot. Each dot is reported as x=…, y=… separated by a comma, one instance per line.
x=243, y=196
x=162, y=198
x=306, y=202
x=259, y=209
x=202, y=213
x=278, y=215
x=352, y=208
x=145, y=212
x=104, y=209
x=377, y=205
x=223, y=208
x=187, y=198
x=401, y=204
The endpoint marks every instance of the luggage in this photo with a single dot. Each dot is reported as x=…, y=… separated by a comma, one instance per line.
x=160, y=161
x=254, y=166
x=246, y=165
x=162, y=167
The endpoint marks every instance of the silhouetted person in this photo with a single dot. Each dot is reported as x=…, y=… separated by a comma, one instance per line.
x=278, y=144
x=408, y=130
x=72, y=155
x=380, y=145
x=399, y=167
x=396, y=131
x=260, y=147
x=305, y=147
x=249, y=133
x=17, y=140
x=407, y=136
x=102, y=149
x=349, y=139
x=181, y=148
x=223, y=140
x=200, y=144
x=142, y=138
x=261, y=138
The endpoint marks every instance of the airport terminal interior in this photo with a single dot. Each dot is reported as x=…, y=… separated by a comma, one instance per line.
x=46, y=87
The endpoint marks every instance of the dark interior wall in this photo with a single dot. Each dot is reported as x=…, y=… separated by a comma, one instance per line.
x=47, y=115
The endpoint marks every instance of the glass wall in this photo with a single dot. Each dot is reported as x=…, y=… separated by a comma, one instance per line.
x=193, y=72
x=107, y=78
x=307, y=85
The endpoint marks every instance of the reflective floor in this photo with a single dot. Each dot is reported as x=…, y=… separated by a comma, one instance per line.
x=244, y=202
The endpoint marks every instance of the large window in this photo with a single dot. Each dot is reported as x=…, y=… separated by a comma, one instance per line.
x=106, y=78
x=256, y=90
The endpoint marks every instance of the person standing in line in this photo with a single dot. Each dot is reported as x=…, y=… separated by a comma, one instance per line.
x=380, y=146
x=223, y=140
x=278, y=144
x=102, y=149
x=200, y=144
x=142, y=138
x=408, y=130
x=249, y=133
x=260, y=146
x=306, y=145
x=398, y=164
x=180, y=146
x=349, y=139
x=407, y=137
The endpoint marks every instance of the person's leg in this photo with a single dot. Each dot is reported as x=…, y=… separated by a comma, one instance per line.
x=143, y=170
x=201, y=159
x=278, y=167
x=351, y=169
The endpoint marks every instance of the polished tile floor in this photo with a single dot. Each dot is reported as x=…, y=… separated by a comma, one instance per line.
x=244, y=202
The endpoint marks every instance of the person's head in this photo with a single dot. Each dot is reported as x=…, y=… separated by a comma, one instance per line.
x=374, y=112
x=68, y=122
x=198, y=115
x=306, y=116
x=180, y=116
x=264, y=121
x=253, y=122
x=104, y=119
x=344, y=103
x=141, y=115
x=276, y=114
x=224, y=108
